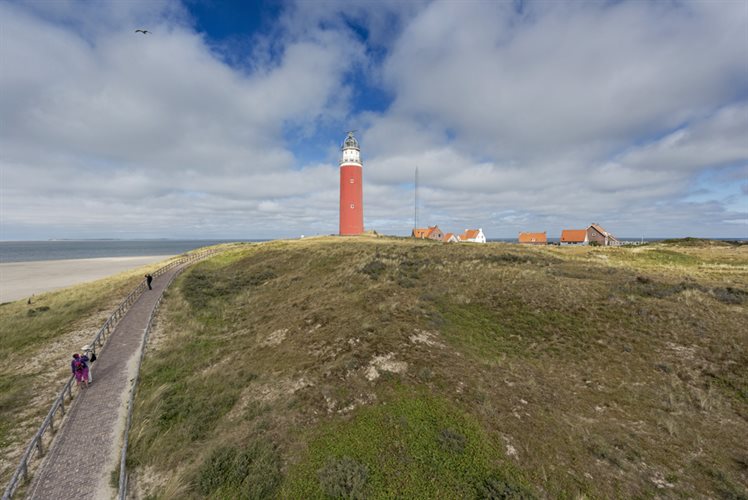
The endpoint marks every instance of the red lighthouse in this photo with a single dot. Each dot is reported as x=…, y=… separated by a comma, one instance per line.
x=351, y=188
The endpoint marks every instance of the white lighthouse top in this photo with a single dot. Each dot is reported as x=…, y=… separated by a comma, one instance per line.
x=351, y=151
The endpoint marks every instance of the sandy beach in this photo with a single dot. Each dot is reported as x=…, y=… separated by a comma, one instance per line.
x=23, y=279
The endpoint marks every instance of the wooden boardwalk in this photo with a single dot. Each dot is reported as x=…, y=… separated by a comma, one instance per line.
x=86, y=450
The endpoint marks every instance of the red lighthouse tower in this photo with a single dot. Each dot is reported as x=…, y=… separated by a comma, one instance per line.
x=351, y=188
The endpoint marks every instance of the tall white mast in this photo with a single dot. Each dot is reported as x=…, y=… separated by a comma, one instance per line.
x=415, y=207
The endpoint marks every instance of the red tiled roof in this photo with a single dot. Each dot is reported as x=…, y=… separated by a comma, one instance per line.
x=469, y=234
x=421, y=232
x=573, y=235
x=533, y=238
x=447, y=236
x=602, y=231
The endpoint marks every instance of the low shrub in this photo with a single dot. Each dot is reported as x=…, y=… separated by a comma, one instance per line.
x=452, y=440
x=343, y=478
x=729, y=295
x=412, y=268
x=646, y=287
x=374, y=269
x=203, y=285
x=233, y=473
x=497, y=488
x=507, y=258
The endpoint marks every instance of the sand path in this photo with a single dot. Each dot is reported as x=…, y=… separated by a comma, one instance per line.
x=86, y=450
x=19, y=280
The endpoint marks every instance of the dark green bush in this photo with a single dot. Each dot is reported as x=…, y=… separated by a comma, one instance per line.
x=344, y=478
x=729, y=295
x=412, y=268
x=374, y=269
x=201, y=286
x=648, y=288
x=233, y=473
x=34, y=312
x=261, y=277
x=507, y=258
x=452, y=440
x=497, y=488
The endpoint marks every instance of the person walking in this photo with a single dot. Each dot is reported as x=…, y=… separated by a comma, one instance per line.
x=84, y=372
x=88, y=358
x=78, y=368
x=148, y=279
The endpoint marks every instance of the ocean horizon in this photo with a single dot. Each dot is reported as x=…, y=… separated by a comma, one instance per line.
x=68, y=249
x=63, y=249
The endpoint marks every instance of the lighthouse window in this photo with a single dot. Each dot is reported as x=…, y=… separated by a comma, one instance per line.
x=351, y=181
x=353, y=206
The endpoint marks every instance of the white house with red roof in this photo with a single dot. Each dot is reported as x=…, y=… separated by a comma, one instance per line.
x=431, y=233
x=472, y=236
x=574, y=237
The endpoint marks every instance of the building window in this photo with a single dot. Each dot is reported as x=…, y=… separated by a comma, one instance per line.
x=353, y=206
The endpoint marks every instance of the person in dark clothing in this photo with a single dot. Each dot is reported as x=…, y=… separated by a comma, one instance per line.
x=80, y=371
x=148, y=279
x=74, y=362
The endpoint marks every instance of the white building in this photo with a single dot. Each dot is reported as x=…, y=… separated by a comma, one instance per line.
x=473, y=236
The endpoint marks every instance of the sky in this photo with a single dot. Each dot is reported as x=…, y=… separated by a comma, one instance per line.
x=225, y=122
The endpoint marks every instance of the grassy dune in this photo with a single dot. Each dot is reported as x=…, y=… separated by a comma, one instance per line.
x=376, y=367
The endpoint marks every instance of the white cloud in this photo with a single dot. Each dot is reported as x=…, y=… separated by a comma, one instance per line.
x=549, y=117
x=130, y=122
x=557, y=110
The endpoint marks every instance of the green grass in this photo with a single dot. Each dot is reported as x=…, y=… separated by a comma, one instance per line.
x=240, y=473
x=193, y=395
x=657, y=256
x=25, y=327
x=697, y=242
x=513, y=329
x=414, y=446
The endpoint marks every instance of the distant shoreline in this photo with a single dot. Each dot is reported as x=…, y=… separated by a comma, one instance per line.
x=28, y=251
x=19, y=280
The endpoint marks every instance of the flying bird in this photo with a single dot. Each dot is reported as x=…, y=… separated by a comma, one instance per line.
x=145, y=32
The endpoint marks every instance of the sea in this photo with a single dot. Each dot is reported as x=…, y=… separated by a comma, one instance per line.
x=28, y=251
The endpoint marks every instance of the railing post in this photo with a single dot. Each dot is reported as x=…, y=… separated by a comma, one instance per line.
x=39, y=445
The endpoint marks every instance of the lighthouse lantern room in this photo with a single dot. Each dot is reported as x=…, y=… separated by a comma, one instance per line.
x=351, y=188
